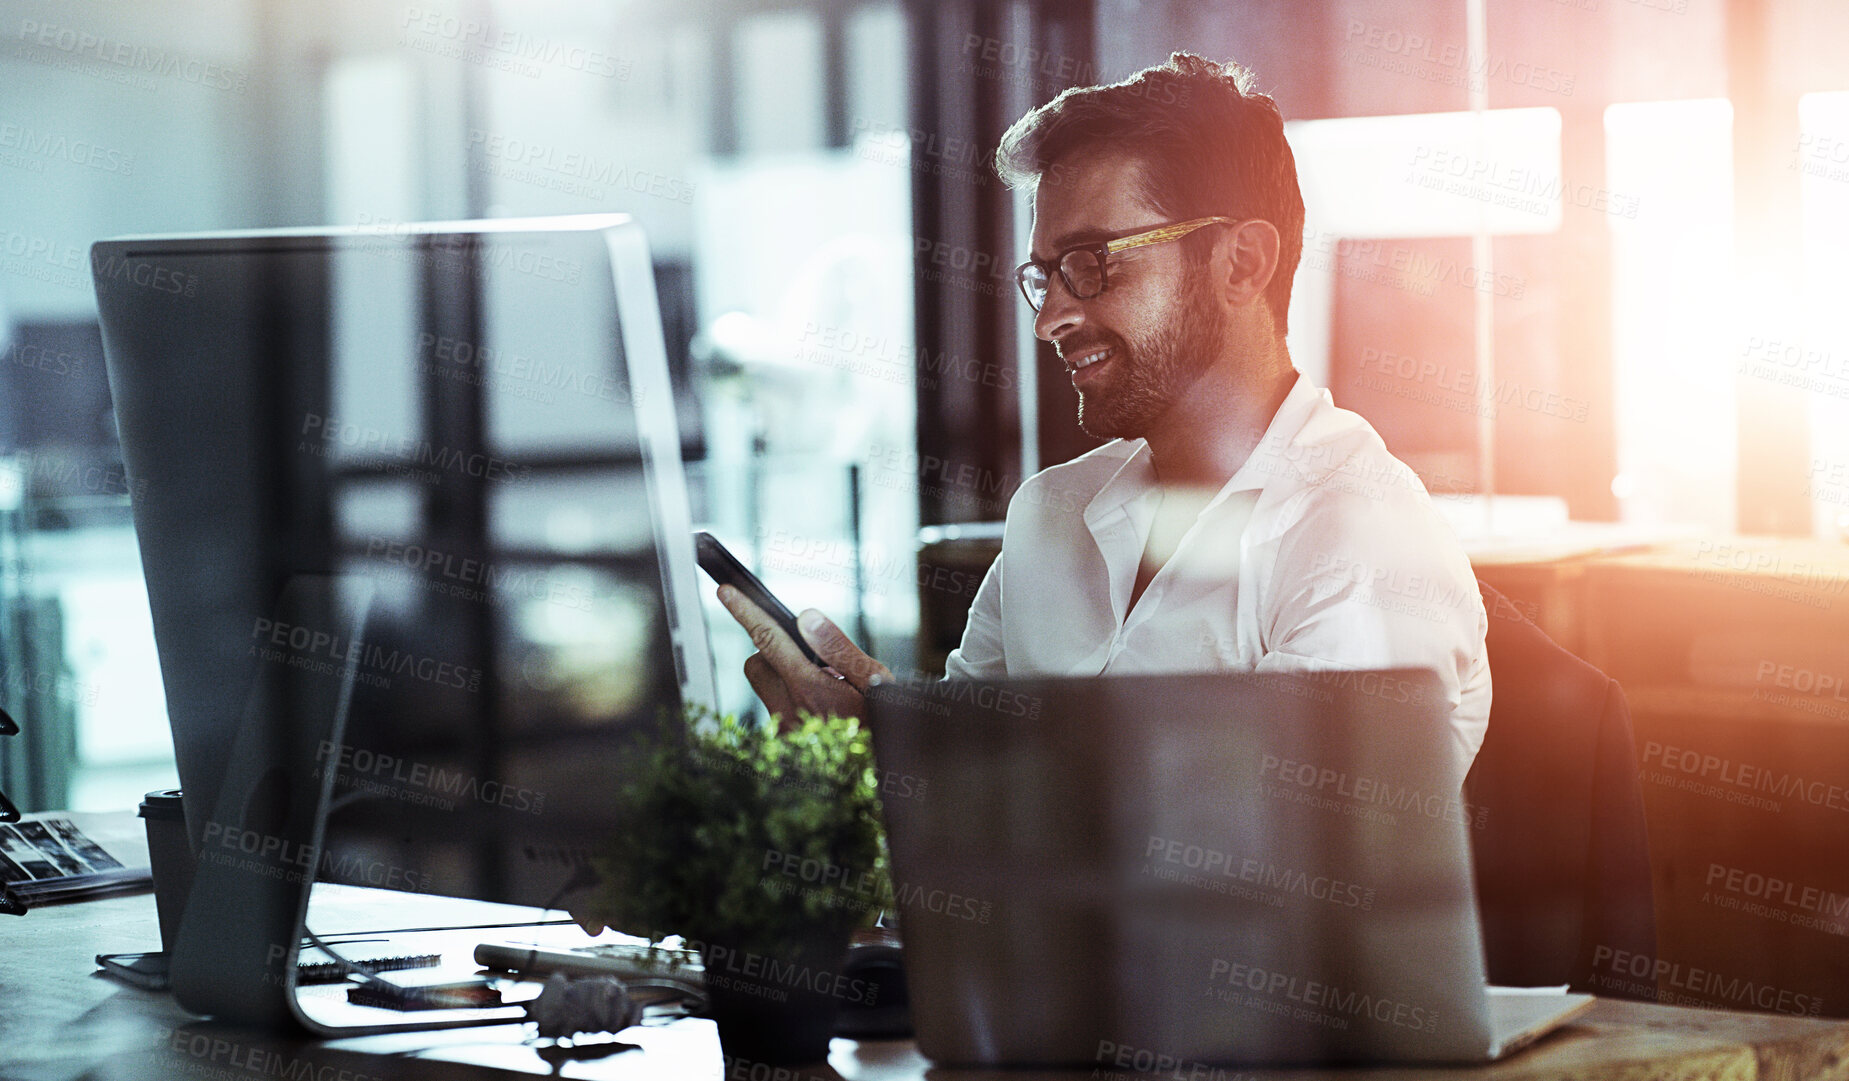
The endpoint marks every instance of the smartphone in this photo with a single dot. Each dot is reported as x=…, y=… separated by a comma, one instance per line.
x=147, y=971
x=725, y=569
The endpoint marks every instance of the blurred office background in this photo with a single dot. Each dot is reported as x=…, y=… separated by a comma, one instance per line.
x=1579, y=261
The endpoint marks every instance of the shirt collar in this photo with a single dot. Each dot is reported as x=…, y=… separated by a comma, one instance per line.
x=1271, y=458
x=1277, y=449
x=1134, y=478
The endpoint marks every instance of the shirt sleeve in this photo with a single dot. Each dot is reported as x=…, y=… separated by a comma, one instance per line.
x=1366, y=583
x=980, y=655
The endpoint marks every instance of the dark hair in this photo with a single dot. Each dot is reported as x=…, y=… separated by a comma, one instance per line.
x=1208, y=144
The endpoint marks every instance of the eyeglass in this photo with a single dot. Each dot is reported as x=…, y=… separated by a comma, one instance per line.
x=1082, y=267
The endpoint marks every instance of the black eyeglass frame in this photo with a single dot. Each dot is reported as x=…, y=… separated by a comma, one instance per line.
x=1103, y=249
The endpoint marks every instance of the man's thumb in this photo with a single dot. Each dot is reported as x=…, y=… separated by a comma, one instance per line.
x=838, y=650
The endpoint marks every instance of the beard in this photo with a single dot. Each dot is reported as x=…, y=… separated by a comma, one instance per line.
x=1150, y=372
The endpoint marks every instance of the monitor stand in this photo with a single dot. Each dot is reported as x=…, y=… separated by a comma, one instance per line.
x=234, y=958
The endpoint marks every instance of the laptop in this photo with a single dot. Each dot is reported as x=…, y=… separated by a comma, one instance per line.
x=1150, y=872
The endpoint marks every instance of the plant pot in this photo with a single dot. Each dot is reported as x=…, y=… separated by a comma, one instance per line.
x=777, y=1005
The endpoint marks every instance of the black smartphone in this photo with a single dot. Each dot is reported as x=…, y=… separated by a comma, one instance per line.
x=725, y=569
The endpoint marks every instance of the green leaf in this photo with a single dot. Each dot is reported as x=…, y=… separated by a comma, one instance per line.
x=737, y=833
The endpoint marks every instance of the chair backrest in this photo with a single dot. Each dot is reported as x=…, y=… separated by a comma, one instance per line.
x=1562, y=856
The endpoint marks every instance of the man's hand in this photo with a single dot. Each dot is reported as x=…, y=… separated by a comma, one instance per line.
x=787, y=681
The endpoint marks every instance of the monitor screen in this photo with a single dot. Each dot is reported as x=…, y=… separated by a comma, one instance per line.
x=471, y=429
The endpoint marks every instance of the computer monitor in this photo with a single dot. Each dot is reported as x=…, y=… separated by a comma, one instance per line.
x=437, y=467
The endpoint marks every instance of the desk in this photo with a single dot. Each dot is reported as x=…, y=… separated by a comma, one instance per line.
x=60, y=1021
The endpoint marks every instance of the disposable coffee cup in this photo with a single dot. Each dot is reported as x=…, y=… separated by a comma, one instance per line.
x=170, y=858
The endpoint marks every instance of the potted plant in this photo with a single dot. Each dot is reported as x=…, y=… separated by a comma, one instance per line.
x=763, y=851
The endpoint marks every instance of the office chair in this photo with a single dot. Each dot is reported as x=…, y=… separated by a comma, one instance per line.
x=1562, y=857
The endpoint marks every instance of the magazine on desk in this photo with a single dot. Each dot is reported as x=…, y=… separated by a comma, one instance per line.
x=73, y=855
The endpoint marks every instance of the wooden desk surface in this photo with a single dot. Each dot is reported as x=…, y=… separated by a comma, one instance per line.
x=59, y=1020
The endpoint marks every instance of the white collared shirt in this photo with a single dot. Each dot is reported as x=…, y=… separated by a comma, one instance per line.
x=1323, y=551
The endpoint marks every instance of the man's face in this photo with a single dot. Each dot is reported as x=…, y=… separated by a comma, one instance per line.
x=1154, y=326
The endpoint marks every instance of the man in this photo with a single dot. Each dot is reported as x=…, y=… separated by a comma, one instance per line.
x=1237, y=519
